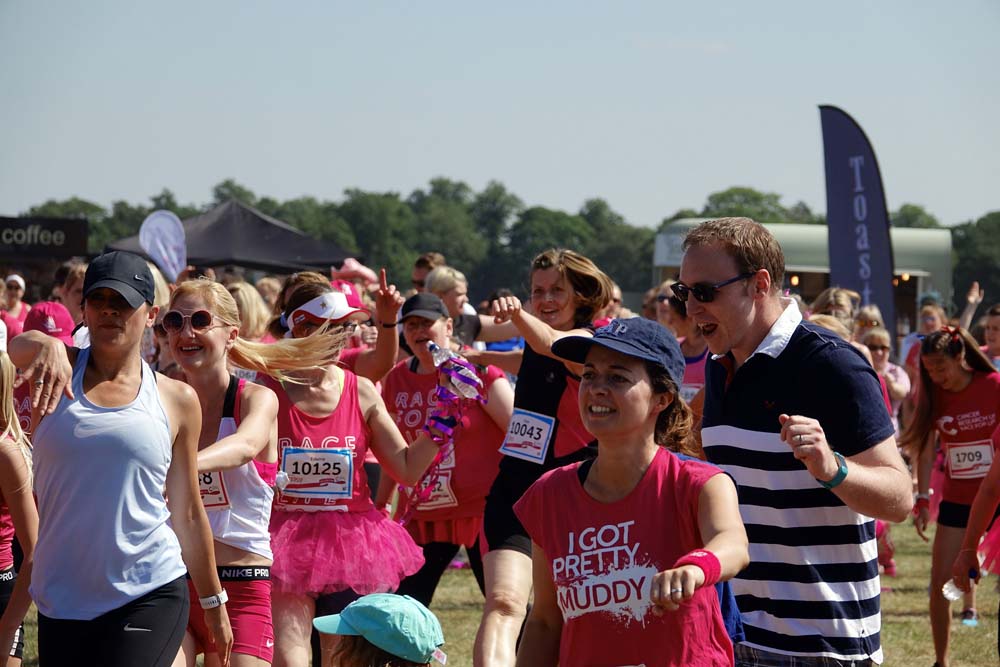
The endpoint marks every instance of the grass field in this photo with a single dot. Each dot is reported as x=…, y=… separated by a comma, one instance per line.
x=906, y=637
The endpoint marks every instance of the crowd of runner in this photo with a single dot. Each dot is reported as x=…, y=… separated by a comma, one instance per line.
x=244, y=470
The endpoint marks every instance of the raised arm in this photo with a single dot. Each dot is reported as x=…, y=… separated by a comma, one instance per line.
x=405, y=464
x=539, y=335
x=258, y=430
x=491, y=331
x=187, y=515
x=972, y=300
x=374, y=364
x=45, y=362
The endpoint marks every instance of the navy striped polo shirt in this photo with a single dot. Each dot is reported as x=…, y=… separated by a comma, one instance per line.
x=812, y=586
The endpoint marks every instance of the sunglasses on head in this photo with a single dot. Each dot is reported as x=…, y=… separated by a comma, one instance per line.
x=174, y=320
x=704, y=292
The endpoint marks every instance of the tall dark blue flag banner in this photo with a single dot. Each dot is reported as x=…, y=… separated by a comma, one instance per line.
x=856, y=215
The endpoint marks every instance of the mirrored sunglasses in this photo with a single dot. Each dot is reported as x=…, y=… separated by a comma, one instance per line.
x=174, y=320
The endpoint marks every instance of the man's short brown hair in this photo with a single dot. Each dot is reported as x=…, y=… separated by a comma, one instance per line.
x=429, y=261
x=749, y=243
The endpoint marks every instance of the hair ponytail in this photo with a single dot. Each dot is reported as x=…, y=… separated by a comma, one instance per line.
x=274, y=359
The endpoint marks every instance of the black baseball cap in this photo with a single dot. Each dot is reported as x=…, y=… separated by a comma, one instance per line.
x=635, y=337
x=426, y=305
x=123, y=272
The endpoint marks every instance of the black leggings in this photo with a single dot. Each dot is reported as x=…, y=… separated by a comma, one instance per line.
x=147, y=631
x=437, y=556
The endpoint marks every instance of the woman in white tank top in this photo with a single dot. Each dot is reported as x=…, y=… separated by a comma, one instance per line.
x=109, y=576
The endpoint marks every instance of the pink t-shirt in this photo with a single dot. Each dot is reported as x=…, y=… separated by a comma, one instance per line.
x=332, y=477
x=603, y=557
x=965, y=422
x=467, y=474
x=694, y=375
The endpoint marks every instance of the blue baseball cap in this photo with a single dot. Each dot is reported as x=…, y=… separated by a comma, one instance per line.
x=397, y=624
x=635, y=337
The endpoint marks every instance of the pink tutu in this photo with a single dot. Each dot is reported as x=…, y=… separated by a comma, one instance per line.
x=325, y=552
x=989, y=549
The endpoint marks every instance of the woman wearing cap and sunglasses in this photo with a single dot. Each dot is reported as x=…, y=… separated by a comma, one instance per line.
x=450, y=517
x=627, y=547
x=237, y=455
x=114, y=460
x=330, y=543
x=545, y=432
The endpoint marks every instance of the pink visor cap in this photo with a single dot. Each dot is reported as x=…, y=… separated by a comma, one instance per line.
x=330, y=307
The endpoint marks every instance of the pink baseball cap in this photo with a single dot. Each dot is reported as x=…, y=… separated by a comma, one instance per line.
x=349, y=290
x=52, y=319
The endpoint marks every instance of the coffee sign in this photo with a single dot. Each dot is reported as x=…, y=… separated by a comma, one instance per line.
x=42, y=238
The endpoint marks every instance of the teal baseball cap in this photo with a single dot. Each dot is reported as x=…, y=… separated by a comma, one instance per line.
x=397, y=624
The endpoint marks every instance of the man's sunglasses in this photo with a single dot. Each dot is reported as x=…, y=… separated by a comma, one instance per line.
x=174, y=320
x=418, y=283
x=704, y=292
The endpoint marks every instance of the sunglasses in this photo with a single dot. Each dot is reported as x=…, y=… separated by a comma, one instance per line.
x=200, y=320
x=878, y=348
x=704, y=292
x=13, y=286
x=418, y=283
x=868, y=323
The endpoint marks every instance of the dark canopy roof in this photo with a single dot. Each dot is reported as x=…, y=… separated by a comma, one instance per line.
x=234, y=233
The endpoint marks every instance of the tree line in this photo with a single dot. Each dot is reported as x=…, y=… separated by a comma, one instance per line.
x=491, y=235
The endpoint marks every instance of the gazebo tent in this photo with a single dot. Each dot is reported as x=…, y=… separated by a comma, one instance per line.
x=234, y=233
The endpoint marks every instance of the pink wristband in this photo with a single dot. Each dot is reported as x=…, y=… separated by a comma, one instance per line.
x=706, y=561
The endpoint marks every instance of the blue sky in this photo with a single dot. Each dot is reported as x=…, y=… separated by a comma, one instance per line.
x=650, y=105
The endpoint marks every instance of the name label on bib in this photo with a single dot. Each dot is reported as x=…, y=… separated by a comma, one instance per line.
x=689, y=391
x=318, y=473
x=213, y=490
x=441, y=495
x=970, y=460
x=528, y=435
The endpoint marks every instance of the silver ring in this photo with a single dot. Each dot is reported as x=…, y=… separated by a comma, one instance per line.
x=799, y=436
x=676, y=590
x=39, y=383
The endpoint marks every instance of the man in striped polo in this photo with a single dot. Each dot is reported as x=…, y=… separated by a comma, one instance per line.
x=796, y=417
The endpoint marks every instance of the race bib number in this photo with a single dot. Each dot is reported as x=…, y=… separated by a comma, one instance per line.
x=689, y=391
x=441, y=493
x=318, y=473
x=970, y=460
x=528, y=436
x=213, y=490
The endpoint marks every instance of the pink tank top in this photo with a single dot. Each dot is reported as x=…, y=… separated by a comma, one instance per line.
x=6, y=536
x=322, y=458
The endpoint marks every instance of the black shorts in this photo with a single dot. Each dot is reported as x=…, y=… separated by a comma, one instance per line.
x=7, y=579
x=956, y=515
x=501, y=527
x=147, y=631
